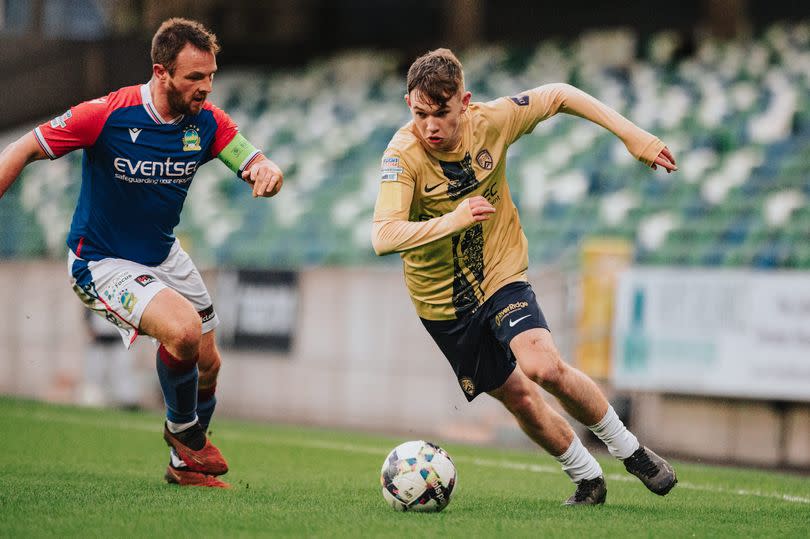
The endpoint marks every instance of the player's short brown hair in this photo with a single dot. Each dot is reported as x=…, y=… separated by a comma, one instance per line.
x=436, y=76
x=174, y=34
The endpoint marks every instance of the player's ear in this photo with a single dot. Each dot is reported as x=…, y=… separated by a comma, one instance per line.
x=465, y=100
x=159, y=71
x=408, y=100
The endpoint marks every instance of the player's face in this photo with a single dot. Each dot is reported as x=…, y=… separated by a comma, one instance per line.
x=438, y=125
x=192, y=81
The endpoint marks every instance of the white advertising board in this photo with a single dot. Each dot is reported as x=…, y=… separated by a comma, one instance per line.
x=713, y=332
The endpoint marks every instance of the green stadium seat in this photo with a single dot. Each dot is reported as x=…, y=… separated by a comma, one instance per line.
x=737, y=119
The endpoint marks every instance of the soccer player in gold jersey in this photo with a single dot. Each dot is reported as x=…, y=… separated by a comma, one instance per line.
x=444, y=205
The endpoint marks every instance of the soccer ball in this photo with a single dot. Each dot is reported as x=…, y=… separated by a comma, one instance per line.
x=418, y=476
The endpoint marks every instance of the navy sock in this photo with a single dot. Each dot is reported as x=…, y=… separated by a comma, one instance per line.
x=178, y=380
x=205, y=409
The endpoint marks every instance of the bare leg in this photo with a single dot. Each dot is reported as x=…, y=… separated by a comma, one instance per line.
x=578, y=394
x=583, y=400
x=537, y=419
x=172, y=320
x=552, y=432
x=209, y=362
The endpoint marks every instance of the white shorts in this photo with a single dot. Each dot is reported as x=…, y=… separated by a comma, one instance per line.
x=119, y=290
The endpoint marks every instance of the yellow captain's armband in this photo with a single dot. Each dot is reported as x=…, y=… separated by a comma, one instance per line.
x=238, y=153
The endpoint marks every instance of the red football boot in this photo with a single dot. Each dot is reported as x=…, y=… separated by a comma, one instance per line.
x=188, y=478
x=206, y=460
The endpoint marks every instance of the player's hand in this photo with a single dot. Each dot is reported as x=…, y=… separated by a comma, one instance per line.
x=665, y=160
x=265, y=177
x=480, y=208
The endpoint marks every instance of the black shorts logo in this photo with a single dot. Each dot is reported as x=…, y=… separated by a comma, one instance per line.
x=467, y=385
x=144, y=279
x=509, y=309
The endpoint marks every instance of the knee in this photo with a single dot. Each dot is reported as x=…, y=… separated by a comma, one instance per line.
x=544, y=365
x=184, y=339
x=520, y=401
x=549, y=374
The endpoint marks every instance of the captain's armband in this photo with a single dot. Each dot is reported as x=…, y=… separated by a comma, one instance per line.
x=238, y=154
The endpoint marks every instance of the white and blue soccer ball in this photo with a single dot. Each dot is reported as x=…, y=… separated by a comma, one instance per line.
x=418, y=476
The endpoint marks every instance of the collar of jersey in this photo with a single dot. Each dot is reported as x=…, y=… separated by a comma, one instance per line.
x=463, y=143
x=146, y=97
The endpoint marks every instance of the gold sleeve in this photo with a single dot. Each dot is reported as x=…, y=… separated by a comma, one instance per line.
x=545, y=101
x=391, y=230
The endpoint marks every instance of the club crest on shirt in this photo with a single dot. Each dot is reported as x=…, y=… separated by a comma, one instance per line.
x=484, y=159
x=191, y=139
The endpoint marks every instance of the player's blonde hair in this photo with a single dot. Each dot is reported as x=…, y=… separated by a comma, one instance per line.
x=174, y=34
x=436, y=76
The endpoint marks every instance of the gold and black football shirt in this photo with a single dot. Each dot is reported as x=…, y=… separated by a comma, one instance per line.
x=452, y=264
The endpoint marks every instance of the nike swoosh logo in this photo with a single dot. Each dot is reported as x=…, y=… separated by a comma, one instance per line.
x=431, y=188
x=512, y=323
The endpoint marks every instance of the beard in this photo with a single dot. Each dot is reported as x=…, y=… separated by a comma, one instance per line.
x=178, y=104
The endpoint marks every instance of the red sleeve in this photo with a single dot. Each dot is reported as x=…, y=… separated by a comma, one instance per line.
x=226, y=130
x=77, y=128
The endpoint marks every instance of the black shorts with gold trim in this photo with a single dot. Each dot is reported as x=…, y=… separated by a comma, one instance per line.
x=477, y=346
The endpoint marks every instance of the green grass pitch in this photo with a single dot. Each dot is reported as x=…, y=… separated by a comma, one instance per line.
x=72, y=472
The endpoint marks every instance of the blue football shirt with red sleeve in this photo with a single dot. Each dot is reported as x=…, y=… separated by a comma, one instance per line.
x=136, y=170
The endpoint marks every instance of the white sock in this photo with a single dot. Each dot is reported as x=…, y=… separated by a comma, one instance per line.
x=621, y=443
x=174, y=428
x=578, y=463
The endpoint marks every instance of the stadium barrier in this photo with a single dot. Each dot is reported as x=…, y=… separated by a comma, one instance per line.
x=358, y=357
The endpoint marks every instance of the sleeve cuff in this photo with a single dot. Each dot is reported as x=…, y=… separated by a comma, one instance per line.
x=43, y=143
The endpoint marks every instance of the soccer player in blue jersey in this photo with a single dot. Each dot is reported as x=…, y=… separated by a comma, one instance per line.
x=142, y=146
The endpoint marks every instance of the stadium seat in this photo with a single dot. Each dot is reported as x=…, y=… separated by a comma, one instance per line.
x=735, y=114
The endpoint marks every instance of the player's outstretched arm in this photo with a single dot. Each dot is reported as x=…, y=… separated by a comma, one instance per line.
x=16, y=156
x=560, y=97
x=265, y=177
x=642, y=145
